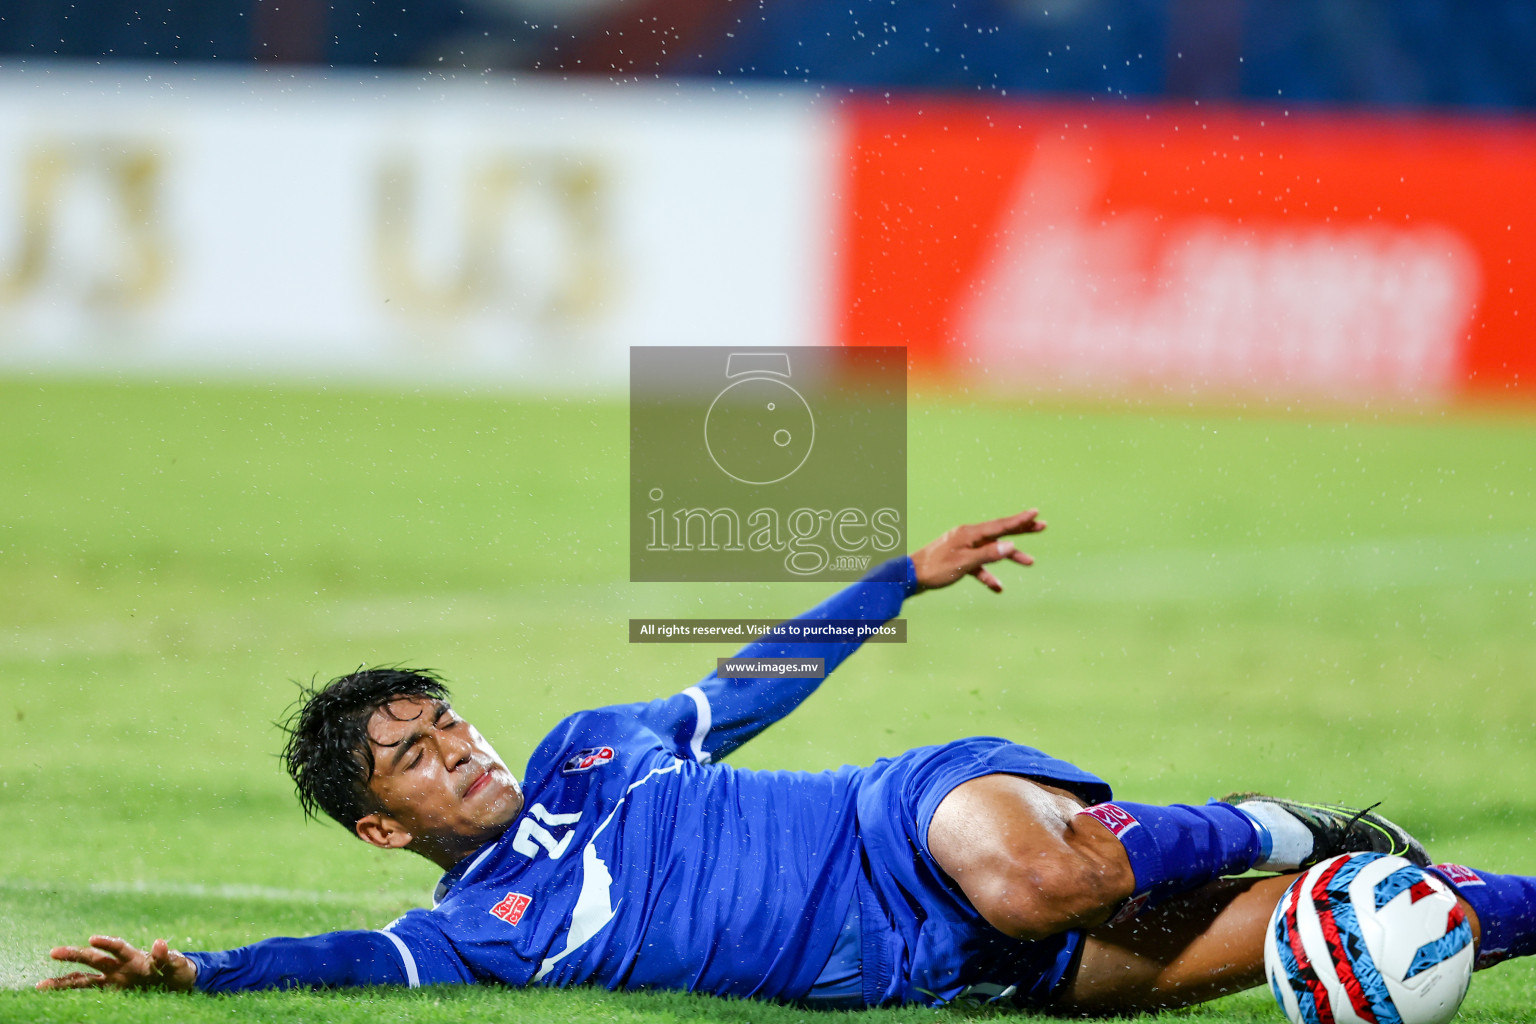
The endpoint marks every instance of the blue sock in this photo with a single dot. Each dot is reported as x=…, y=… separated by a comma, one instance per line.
x=1177, y=848
x=1505, y=906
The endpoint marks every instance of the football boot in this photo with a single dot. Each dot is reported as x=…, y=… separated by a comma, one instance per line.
x=1338, y=829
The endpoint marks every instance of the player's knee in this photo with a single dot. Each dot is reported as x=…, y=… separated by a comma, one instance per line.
x=1019, y=853
x=1040, y=896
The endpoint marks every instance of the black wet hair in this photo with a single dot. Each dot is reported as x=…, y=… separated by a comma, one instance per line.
x=328, y=754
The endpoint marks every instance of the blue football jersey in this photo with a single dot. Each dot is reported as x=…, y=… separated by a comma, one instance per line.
x=638, y=861
x=635, y=865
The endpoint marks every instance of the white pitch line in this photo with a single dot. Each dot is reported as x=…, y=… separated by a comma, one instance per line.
x=228, y=891
x=24, y=942
x=1172, y=574
x=1134, y=575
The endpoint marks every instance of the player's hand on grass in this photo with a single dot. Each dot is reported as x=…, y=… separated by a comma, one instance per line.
x=123, y=966
x=967, y=550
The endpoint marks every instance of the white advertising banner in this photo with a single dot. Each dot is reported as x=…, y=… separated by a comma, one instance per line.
x=489, y=229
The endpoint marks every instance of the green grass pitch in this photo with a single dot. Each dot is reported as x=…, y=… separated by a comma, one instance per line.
x=1331, y=607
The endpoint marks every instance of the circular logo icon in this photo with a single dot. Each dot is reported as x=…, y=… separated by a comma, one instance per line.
x=759, y=430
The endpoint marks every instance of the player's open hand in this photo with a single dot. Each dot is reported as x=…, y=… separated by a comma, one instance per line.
x=123, y=966
x=967, y=550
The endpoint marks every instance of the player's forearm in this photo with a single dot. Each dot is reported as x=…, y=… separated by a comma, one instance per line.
x=335, y=960
x=740, y=708
x=874, y=600
x=710, y=720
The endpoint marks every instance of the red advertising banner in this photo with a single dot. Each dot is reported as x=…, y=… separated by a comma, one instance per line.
x=1236, y=250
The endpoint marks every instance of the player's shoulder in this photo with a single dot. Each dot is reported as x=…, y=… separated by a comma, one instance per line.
x=588, y=740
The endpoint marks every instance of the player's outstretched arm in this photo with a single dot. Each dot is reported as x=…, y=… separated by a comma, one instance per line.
x=968, y=550
x=121, y=965
x=412, y=950
x=718, y=715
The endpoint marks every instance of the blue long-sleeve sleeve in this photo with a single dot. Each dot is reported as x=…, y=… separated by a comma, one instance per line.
x=333, y=960
x=411, y=951
x=713, y=718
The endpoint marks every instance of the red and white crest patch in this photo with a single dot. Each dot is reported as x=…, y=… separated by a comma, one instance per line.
x=511, y=907
x=586, y=760
x=1113, y=817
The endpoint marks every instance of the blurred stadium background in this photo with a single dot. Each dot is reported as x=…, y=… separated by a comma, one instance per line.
x=1319, y=200
x=314, y=328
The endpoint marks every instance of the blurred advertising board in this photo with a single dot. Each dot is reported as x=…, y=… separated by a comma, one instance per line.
x=531, y=232
x=400, y=225
x=1224, y=251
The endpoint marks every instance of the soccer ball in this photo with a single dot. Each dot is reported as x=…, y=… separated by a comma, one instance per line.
x=1366, y=937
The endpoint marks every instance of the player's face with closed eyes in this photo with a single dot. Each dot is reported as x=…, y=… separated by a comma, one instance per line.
x=437, y=779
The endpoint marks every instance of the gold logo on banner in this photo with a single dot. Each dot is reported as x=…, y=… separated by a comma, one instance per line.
x=88, y=217
x=504, y=205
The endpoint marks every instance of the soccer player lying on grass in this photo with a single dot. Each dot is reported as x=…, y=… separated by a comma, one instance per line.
x=631, y=858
